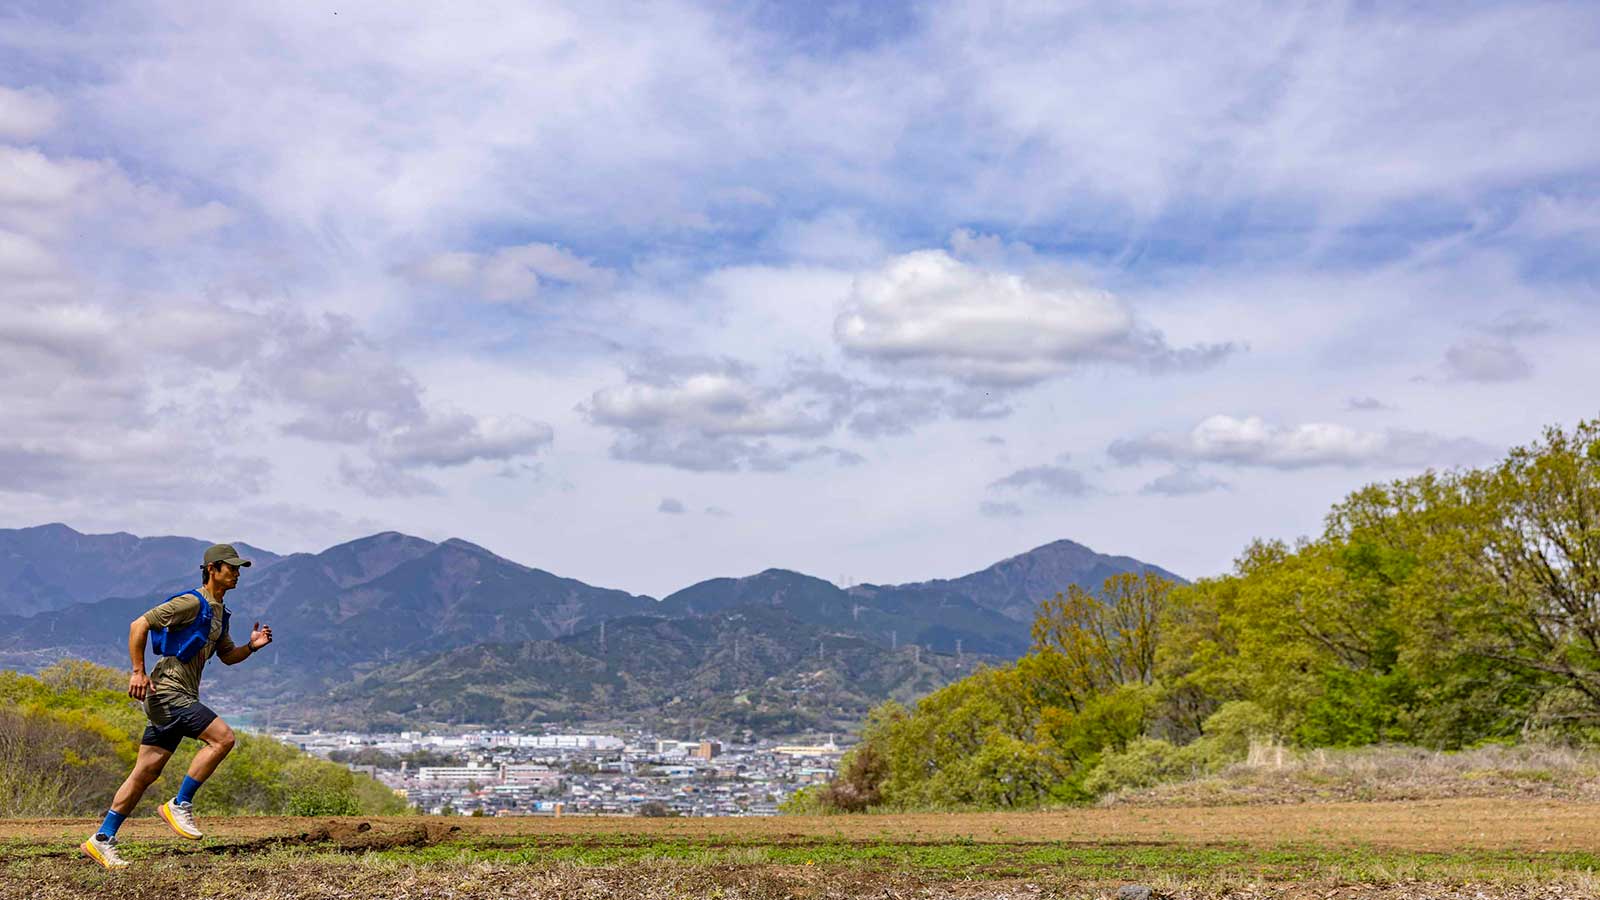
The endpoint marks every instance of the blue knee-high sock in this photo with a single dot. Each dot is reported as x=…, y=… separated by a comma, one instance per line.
x=112, y=822
x=187, y=789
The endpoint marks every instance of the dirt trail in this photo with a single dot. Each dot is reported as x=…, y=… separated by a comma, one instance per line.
x=1426, y=825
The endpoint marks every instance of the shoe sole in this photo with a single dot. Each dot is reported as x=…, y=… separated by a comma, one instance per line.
x=166, y=816
x=89, y=849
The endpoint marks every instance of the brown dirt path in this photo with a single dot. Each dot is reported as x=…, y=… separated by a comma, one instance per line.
x=1441, y=825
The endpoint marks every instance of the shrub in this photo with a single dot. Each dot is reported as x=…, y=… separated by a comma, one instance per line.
x=1145, y=762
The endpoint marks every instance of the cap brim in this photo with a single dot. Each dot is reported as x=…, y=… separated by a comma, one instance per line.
x=236, y=561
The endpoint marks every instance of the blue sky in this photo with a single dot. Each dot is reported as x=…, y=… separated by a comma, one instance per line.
x=644, y=294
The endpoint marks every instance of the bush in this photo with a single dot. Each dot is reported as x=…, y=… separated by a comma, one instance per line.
x=69, y=736
x=317, y=788
x=1145, y=762
x=808, y=801
x=317, y=802
x=58, y=763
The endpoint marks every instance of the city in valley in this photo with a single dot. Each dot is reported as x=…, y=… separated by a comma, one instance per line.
x=504, y=773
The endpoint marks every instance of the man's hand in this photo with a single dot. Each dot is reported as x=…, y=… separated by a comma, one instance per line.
x=260, y=636
x=138, y=685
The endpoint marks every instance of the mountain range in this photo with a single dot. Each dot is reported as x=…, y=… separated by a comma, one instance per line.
x=396, y=630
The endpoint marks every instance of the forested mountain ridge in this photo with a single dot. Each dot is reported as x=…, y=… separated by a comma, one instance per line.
x=752, y=669
x=342, y=615
x=49, y=567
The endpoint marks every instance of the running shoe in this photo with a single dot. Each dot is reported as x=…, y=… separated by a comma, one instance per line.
x=181, y=817
x=103, y=850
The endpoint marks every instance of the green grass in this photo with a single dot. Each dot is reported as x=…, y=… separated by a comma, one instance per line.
x=1287, y=862
x=940, y=860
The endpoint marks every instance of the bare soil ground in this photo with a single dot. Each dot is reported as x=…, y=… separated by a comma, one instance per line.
x=1443, y=825
x=1445, y=849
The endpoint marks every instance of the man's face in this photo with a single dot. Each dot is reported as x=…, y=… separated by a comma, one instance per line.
x=227, y=576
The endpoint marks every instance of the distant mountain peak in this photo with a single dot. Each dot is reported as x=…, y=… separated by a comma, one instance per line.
x=1015, y=585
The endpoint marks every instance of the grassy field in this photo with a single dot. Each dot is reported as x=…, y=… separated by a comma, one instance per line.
x=1446, y=848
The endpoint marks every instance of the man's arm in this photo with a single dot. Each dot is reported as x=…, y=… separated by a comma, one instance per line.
x=138, y=681
x=260, y=636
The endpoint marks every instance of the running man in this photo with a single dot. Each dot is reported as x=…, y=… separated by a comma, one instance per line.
x=185, y=630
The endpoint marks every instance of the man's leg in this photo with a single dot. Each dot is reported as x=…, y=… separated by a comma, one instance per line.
x=146, y=769
x=102, y=845
x=179, y=811
x=218, y=738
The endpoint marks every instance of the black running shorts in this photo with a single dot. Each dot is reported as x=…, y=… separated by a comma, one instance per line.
x=187, y=722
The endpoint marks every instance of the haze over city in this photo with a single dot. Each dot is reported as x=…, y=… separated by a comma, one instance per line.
x=647, y=294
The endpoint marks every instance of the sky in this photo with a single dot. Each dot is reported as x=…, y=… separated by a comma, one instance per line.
x=648, y=293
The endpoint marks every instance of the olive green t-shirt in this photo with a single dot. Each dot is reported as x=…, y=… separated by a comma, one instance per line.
x=174, y=683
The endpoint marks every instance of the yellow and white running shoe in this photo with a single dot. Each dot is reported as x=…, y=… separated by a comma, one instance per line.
x=180, y=816
x=103, y=850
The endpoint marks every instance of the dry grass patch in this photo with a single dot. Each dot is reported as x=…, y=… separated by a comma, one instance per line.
x=1274, y=774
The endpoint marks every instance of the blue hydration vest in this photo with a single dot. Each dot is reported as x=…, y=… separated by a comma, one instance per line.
x=184, y=641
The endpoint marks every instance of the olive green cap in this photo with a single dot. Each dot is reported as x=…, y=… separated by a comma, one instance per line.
x=224, y=553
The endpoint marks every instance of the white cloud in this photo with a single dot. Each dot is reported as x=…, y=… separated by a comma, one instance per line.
x=34, y=181
x=713, y=415
x=671, y=506
x=716, y=400
x=1183, y=481
x=928, y=313
x=65, y=199
x=1486, y=360
x=26, y=261
x=455, y=439
x=705, y=414
x=1252, y=441
x=26, y=114
x=337, y=385
x=510, y=273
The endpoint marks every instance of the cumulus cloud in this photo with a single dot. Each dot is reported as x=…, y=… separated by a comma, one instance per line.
x=1486, y=360
x=1252, y=441
x=1182, y=482
x=671, y=506
x=119, y=396
x=510, y=273
x=66, y=199
x=26, y=114
x=133, y=465
x=929, y=313
x=713, y=398
x=87, y=409
x=1057, y=480
x=721, y=415
x=339, y=387
x=450, y=439
x=23, y=258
